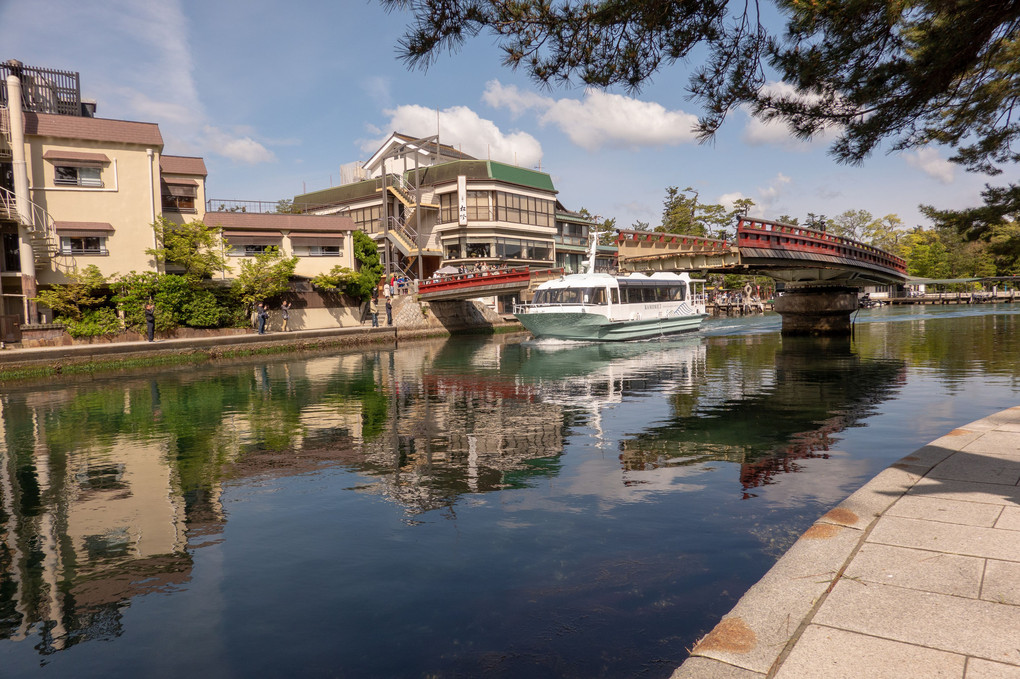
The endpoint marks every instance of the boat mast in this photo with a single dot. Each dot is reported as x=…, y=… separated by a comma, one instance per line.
x=593, y=234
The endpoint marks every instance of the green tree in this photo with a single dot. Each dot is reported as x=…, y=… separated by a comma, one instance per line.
x=926, y=255
x=911, y=72
x=196, y=247
x=265, y=275
x=83, y=291
x=81, y=304
x=606, y=228
x=366, y=256
x=1004, y=246
x=286, y=206
x=679, y=213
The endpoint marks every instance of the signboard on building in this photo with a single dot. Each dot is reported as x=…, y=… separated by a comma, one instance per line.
x=462, y=200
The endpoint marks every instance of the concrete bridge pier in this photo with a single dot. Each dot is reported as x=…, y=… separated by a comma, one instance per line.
x=816, y=310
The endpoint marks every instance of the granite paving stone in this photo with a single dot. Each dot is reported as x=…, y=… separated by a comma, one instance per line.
x=828, y=653
x=918, y=569
x=947, y=511
x=995, y=443
x=706, y=668
x=1010, y=519
x=937, y=536
x=973, y=466
x=983, y=669
x=1002, y=583
x=967, y=491
x=948, y=623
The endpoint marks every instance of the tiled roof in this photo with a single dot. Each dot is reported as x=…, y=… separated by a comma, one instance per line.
x=279, y=222
x=182, y=165
x=92, y=129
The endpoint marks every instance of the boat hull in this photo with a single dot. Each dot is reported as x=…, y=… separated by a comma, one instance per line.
x=597, y=328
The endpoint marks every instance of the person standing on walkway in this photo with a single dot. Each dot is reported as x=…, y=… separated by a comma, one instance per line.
x=285, y=313
x=262, y=315
x=373, y=309
x=389, y=311
x=150, y=321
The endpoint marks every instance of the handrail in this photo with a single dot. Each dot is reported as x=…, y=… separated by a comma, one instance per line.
x=812, y=240
x=40, y=224
x=474, y=279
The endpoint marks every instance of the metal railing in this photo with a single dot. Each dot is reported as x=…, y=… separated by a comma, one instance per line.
x=44, y=90
x=761, y=233
x=6, y=150
x=259, y=207
x=39, y=224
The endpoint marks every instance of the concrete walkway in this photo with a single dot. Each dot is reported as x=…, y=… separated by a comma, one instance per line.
x=916, y=575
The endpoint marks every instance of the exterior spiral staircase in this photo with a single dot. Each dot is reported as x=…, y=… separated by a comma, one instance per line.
x=39, y=225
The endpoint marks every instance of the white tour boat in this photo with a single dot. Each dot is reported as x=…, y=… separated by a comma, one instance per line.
x=601, y=307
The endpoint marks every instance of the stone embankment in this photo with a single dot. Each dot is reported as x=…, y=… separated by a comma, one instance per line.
x=411, y=319
x=916, y=575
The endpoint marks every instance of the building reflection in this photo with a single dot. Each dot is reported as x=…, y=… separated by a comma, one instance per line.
x=107, y=489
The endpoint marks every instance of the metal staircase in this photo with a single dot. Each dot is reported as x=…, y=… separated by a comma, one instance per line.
x=39, y=225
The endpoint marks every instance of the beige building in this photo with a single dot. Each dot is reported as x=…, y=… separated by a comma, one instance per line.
x=77, y=190
x=430, y=205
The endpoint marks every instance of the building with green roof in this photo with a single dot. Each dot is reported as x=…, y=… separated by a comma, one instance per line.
x=429, y=205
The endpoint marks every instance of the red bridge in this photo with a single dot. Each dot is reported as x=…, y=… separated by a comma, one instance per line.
x=795, y=254
x=822, y=272
x=479, y=284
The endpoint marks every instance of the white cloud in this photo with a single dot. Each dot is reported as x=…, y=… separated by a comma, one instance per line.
x=136, y=61
x=728, y=200
x=464, y=129
x=243, y=149
x=775, y=133
x=513, y=99
x=599, y=119
x=929, y=161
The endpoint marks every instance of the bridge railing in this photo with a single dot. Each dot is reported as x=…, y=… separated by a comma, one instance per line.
x=692, y=243
x=473, y=279
x=761, y=233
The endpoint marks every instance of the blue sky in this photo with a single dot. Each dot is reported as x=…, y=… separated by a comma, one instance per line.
x=276, y=97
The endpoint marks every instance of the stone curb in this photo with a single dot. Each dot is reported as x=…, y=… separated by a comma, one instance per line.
x=756, y=636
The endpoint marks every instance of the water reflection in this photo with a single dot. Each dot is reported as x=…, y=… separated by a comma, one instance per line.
x=112, y=490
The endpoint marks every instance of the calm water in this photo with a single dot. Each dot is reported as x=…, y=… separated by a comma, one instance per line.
x=462, y=508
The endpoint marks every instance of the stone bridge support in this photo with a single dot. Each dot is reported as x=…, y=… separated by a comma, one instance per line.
x=816, y=310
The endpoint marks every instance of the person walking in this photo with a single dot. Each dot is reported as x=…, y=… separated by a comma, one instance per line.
x=373, y=309
x=285, y=313
x=389, y=311
x=150, y=321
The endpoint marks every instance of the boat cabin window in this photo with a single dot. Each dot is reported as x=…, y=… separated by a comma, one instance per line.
x=638, y=292
x=571, y=296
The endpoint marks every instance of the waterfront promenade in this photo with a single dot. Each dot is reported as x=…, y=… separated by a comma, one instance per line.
x=914, y=576
x=215, y=345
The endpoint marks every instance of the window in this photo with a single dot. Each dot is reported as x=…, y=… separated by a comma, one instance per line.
x=478, y=206
x=323, y=250
x=179, y=198
x=514, y=248
x=517, y=209
x=367, y=218
x=248, y=250
x=83, y=245
x=12, y=250
x=74, y=175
